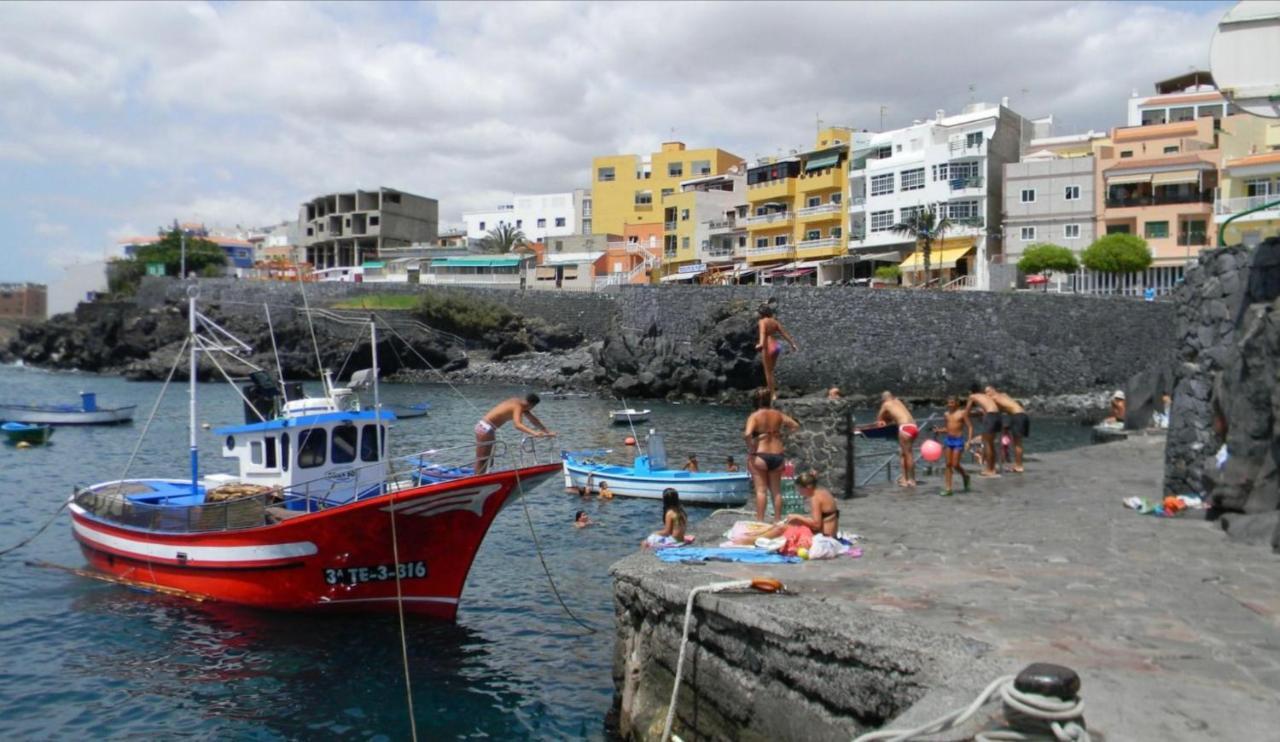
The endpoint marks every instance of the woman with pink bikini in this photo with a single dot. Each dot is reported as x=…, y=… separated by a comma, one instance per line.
x=770, y=346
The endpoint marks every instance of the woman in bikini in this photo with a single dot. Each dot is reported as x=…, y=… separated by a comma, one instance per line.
x=770, y=346
x=765, y=458
x=674, y=522
x=824, y=514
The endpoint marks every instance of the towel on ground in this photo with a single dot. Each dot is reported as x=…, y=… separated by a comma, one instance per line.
x=704, y=554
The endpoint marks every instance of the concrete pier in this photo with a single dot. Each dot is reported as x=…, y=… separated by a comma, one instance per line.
x=1174, y=630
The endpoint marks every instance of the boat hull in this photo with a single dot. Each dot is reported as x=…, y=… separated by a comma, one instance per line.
x=728, y=488
x=37, y=416
x=335, y=560
x=35, y=435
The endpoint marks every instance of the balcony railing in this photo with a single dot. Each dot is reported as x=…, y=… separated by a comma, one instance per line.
x=1244, y=203
x=1188, y=239
x=776, y=217
x=857, y=201
x=1204, y=197
x=478, y=279
x=967, y=149
x=668, y=226
x=771, y=251
x=821, y=242
x=959, y=184
x=718, y=252
x=714, y=224
x=827, y=208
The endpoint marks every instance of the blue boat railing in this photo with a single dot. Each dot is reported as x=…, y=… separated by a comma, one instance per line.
x=253, y=506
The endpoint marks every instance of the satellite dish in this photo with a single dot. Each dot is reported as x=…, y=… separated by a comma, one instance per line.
x=1245, y=57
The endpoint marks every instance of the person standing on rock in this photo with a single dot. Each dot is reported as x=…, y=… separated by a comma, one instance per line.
x=765, y=458
x=1014, y=421
x=513, y=410
x=990, y=412
x=894, y=412
x=770, y=346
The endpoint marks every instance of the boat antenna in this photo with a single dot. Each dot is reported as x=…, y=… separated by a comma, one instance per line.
x=306, y=310
x=193, y=292
x=284, y=390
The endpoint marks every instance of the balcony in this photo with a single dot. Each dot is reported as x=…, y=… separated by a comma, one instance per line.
x=1228, y=206
x=1190, y=239
x=779, y=218
x=828, y=208
x=782, y=188
x=770, y=253
x=961, y=184
x=960, y=150
x=719, y=251
x=820, y=248
x=669, y=226
x=1204, y=197
x=857, y=202
x=823, y=179
x=715, y=225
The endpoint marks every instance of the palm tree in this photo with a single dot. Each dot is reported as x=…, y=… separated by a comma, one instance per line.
x=923, y=227
x=503, y=238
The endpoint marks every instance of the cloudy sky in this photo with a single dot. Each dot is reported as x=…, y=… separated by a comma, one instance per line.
x=115, y=118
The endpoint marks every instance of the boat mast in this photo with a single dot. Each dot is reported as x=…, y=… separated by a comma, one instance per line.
x=377, y=403
x=192, y=293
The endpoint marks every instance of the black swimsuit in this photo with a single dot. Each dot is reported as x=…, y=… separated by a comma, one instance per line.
x=771, y=460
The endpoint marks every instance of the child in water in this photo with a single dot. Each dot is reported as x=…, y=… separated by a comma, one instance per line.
x=581, y=519
x=674, y=522
x=605, y=492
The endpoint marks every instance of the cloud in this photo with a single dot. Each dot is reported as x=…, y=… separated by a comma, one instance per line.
x=234, y=112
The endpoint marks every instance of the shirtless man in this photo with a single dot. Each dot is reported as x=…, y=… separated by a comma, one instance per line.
x=1015, y=422
x=954, y=443
x=892, y=411
x=514, y=410
x=990, y=426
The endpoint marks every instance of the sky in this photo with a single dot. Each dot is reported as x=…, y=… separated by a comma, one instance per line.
x=116, y=118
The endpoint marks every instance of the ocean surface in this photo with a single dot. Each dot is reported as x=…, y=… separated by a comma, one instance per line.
x=84, y=659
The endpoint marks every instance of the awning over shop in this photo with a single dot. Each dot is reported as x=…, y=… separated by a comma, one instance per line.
x=681, y=277
x=1176, y=177
x=938, y=259
x=825, y=161
x=882, y=257
x=502, y=262
x=1127, y=179
x=798, y=273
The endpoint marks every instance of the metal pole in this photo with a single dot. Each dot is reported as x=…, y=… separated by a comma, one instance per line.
x=192, y=293
x=377, y=402
x=1222, y=230
x=848, y=454
x=182, y=241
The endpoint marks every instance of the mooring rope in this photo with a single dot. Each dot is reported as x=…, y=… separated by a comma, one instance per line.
x=404, y=642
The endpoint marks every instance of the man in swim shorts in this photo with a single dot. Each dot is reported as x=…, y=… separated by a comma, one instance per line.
x=1014, y=421
x=953, y=444
x=894, y=412
x=514, y=410
x=991, y=422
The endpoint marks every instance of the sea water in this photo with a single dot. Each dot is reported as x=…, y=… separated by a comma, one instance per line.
x=84, y=659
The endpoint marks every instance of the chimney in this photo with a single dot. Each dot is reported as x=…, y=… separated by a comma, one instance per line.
x=1005, y=101
x=938, y=115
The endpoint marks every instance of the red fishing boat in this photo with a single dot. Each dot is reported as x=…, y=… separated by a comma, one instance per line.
x=318, y=518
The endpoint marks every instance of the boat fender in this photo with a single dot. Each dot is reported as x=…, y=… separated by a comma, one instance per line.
x=767, y=585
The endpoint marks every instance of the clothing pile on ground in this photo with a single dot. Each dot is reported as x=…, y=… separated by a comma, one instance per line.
x=1171, y=506
x=654, y=541
x=796, y=540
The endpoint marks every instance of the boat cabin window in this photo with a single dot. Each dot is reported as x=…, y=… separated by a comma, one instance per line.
x=344, y=444
x=311, y=448
x=231, y=442
x=255, y=452
x=284, y=452
x=369, y=445
x=271, y=452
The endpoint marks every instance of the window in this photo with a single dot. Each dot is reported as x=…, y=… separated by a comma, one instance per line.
x=373, y=221
x=881, y=184
x=271, y=452
x=762, y=242
x=837, y=197
x=348, y=221
x=700, y=167
x=684, y=243
x=667, y=192
x=1027, y=234
x=913, y=180
x=940, y=172
x=586, y=226
x=1126, y=153
x=1182, y=113
x=813, y=234
x=1214, y=110
x=1155, y=230
x=393, y=198
x=284, y=452
x=684, y=215
x=1150, y=118
x=973, y=140
x=542, y=223
x=897, y=148
x=1028, y=195
x=1257, y=187
x=1171, y=149
x=883, y=153
x=1117, y=229
x=559, y=245
x=1071, y=231
x=964, y=170
x=520, y=223
x=559, y=221
x=836, y=232
x=1072, y=193
x=958, y=210
x=481, y=225
x=780, y=241
x=255, y=452
x=644, y=198
x=742, y=241
x=908, y=214
x=675, y=169
x=813, y=201
x=310, y=231
x=311, y=448
x=604, y=174
x=369, y=444
x=881, y=220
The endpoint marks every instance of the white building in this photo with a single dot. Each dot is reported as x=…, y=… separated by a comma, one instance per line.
x=955, y=162
x=539, y=216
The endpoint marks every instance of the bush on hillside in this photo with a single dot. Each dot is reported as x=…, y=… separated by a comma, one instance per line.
x=463, y=316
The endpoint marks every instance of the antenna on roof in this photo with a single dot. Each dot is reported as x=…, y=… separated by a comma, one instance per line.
x=972, y=87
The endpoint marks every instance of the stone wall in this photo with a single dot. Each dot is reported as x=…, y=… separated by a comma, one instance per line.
x=929, y=343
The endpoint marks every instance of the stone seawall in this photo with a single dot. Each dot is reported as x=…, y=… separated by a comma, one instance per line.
x=931, y=342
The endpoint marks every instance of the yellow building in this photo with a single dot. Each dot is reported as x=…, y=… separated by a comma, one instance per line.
x=1250, y=178
x=629, y=189
x=798, y=205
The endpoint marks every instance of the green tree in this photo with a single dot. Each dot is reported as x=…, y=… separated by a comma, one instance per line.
x=889, y=273
x=1117, y=253
x=203, y=258
x=503, y=239
x=924, y=227
x=1044, y=257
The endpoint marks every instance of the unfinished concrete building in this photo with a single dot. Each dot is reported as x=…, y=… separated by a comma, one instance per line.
x=342, y=230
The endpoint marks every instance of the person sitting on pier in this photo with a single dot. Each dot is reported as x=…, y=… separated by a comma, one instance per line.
x=894, y=411
x=953, y=444
x=824, y=514
x=991, y=421
x=1117, y=408
x=514, y=410
x=770, y=346
x=1014, y=421
x=674, y=522
x=765, y=457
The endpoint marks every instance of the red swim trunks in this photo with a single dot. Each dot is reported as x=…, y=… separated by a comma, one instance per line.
x=909, y=430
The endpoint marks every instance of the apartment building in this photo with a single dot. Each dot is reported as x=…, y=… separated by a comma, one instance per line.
x=23, y=301
x=539, y=216
x=1048, y=196
x=688, y=215
x=629, y=189
x=954, y=162
x=1247, y=183
x=797, y=207
x=343, y=230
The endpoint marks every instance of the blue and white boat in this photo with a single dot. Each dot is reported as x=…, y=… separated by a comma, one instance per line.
x=86, y=413
x=648, y=476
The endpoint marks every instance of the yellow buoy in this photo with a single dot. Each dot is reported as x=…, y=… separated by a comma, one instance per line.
x=23, y=444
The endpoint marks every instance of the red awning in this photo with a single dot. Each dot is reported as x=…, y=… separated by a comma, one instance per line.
x=1037, y=279
x=797, y=274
